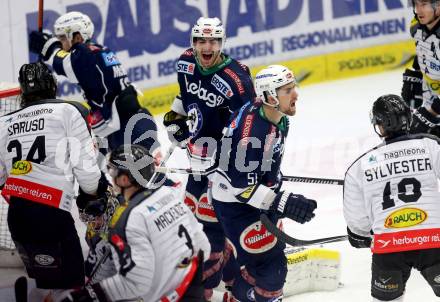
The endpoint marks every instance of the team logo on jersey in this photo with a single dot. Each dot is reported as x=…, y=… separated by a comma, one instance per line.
x=222, y=86
x=405, y=217
x=110, y=58
x=195, y=119
x=21, y=167
x=256, y=239
x=205, y=210
x=185, y=67
x=210, y=98
x=44, y=260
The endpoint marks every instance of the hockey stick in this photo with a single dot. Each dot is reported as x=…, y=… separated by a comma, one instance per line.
x=303, y=179
x=40, y=15
x=272, y=228
x=313, y=180
x=98, y=265
x=157, y=170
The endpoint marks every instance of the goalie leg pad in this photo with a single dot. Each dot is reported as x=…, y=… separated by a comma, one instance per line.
x=311, y=270
x=432, y=275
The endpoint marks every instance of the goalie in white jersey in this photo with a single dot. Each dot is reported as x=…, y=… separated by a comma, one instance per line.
x=44, y=147
x=157, y=243
x=392, y=192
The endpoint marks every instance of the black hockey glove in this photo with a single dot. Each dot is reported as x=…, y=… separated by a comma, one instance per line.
x=94, y=205
x=358, y=241
x=293, y=206
x=176, y=127
x=89, y=293
x=412, y=87
x=423, y=121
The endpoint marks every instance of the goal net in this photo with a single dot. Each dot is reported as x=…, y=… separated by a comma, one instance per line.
x=9, y=101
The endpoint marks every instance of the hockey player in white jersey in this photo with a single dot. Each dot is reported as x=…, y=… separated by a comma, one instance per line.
x=421, y=84
x=391, y=202
x=44, y=147
x=157, y=243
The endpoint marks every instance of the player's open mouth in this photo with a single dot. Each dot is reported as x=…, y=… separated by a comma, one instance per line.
x=292, y=104
x=207, y=57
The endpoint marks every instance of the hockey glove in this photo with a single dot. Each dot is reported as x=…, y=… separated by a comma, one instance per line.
x=423, y=121
x=293, y=206
x=412, y=87
x=176, y=127
x=89, y=293
x=358, y=241
x=40, y=43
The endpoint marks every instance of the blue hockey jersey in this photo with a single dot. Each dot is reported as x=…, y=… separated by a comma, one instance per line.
x=208, y=97
x=250, y=158
x=95, y=68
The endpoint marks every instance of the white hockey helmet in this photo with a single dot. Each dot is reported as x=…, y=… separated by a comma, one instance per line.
x=74, y=22
x=269, y=79
x=208, y=28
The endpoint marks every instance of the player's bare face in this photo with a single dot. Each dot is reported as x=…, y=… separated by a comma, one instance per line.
x=287, y=95
x=425, y=13
x=66, y=43
x=208, y=51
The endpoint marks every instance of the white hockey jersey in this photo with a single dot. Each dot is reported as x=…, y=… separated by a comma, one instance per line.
x=393, y=191
x=44, y=147
x=428, y=58
x=161, y=235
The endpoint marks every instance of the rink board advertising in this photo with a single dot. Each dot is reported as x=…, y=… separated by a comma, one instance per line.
x=319, y=39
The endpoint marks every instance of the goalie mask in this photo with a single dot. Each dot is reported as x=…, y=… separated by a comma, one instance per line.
x=132, y=160
x=207, y=28
x=37, y=82
x=391, y=114
x=74, y=22
x=99, y=224
x=268, y=80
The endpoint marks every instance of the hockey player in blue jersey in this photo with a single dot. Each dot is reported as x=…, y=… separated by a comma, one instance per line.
x=212, y=85
x=99, y=73
x=248, y=181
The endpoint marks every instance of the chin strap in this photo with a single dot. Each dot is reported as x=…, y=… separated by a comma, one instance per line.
x=276, y=106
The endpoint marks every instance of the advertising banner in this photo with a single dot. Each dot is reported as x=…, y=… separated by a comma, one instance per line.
x=149, y=35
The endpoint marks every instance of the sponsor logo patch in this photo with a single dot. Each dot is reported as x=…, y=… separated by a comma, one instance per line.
x=236, y=79
x=185, y=67
x=21, y=167
x=247, y=129
x=44, y=260
x=205, y=210
x=406, y=217
x=191, y=202
x=222, y=86
x=256, y=239
x=62, y=54
x=110, y=59
x=248, y=192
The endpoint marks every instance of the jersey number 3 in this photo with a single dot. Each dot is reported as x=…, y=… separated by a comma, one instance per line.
x=37, y=151
x=402, y=187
